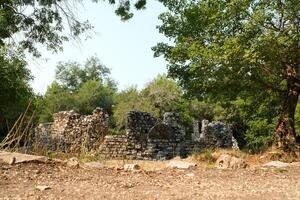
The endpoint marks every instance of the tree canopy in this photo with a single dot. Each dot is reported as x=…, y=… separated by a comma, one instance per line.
x=72, y=74
x=15, y=91
x=233, y=49
x=159, y=96
x=49, y=22
x=78, y=87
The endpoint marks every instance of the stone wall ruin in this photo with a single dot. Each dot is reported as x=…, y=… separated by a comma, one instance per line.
x=72, y=132
x=146, y=138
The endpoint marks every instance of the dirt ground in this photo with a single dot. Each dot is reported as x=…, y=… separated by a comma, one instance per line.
x=19, y=181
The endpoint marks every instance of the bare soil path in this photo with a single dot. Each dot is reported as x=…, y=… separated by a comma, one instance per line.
x=19, y=181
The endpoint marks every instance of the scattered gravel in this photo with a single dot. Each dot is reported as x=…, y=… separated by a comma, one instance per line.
x=19, y=181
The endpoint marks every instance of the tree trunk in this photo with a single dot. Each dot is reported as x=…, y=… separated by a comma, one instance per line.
x=285, y=134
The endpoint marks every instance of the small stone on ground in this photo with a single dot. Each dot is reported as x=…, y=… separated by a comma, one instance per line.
x=73, y=162
x=93, y=165
x=175, y=164
x=131, y=167
x=42, y=187
x=276, y=164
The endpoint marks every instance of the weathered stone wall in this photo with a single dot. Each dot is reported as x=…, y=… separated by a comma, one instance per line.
x=43, y=136
x=148, y=139
x=213, y=134
x=116, y=147
x=138, y=125
x=72, y=132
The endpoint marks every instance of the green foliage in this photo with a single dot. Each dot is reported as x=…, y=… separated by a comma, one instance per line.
x=131, y=100
x=201, y=110
x=297, y=119
x=205, y=156
x=124, y=7
x=56, y=98
x=49, y=22
x=242, y=55
x=159, y=96
x=93, y=94
x=15, y=91
x=72, y=74
x=163, y=93
x=80, y=88
x=259, y=136
x=193, y=109
x=224, y=49
x=254, y=120
x=39, y=22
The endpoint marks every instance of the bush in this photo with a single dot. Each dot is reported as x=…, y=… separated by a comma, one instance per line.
x=205, y=156
x=259, y=136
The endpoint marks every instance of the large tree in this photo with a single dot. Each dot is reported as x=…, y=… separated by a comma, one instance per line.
x=49, y=22
x=159, y=96
x=78, y=87
x=15, y=91
x=163, y=93
x=73, y=74
x=237, y=48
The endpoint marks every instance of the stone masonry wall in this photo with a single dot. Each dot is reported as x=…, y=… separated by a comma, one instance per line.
x=72, y=132
x=215, y=134
x=145, y=138
x=148, y=139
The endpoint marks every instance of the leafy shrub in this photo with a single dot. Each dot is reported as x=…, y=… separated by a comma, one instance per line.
x=205, y=156
x=259, y=135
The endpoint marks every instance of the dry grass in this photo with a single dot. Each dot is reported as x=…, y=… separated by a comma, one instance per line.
x=275, y=154
x=20, y=134
x=205, y=159
x=208, y=157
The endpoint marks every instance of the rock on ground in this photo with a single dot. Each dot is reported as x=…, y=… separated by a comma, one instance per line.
x=226, y=161
x=42, y=187
x=131, y=167
x=72, y=162
x=15, y=158
x=276, y=164
x=175, y=164
x=93, y=165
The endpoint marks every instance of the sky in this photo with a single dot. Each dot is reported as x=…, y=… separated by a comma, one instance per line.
x=124, y=47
